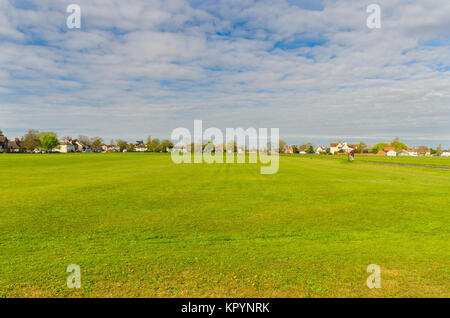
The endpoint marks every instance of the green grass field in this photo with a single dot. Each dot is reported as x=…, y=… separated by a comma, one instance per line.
x=429, y=161
x=141, y=226
x=426, y=161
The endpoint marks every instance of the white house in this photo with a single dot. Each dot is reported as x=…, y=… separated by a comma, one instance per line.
x=445, y=154
x=65, y=146
x=338, y=146
x=140, y=148
x=321, y=149
x=110, y=148
x=402, y=153
x=391, y=153
x=413, y=152
x=80, y=146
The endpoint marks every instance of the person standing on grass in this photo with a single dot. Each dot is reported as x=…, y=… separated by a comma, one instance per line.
x=351, y=155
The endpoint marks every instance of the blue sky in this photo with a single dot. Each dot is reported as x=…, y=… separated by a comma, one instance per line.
x=311, y=68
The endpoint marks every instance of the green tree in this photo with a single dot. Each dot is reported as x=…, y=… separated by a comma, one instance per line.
x=281, y=145
x=155, y=145
x=166, y=144
x=422, y=150
x=305, y=146
x=122, y=144
x=398, y=145
x=96, y=143
x=31, y=140
x=85, y=140
x=379, y=147
x=362, y=147
x=439, y=150
x=1, y=133
x=130, y=147
x=48, y=140
x=148, y=144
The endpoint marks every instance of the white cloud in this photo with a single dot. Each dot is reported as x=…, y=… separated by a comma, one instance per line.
x=146, y=67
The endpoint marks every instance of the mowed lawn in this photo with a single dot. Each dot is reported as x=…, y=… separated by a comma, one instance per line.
x=140, y=226
x=404, y=160
x=427, y=161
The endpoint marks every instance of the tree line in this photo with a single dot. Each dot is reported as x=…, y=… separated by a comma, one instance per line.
x=48, y=140
x=362, y=147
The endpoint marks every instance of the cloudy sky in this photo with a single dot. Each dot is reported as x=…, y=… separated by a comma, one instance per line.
x=144, y=67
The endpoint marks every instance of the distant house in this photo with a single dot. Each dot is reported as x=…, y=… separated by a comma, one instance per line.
x=341, y=147
x=403, y=153
x=79, y=146
x=386, y=149
x=321, y=150
x=140, y=148
x=4, y=144
x=413, y=152
x=14, y=146
x=7, y=145
x=289, y=149
x=66, y=146
x=381, y=153
x=110, y=148
x=391, y=153
x=445, y=154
